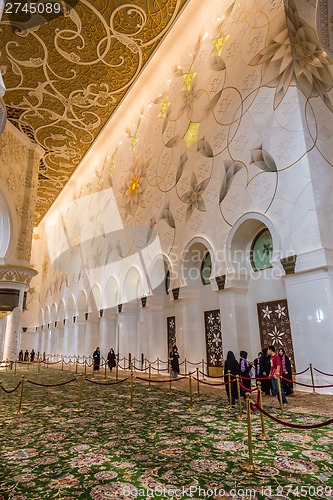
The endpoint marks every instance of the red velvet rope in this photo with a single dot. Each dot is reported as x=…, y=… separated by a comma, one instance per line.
x=187, y=374
x=161, y=381
x=307, y=385
x=139, y=369
x=246, y=389
x=106, y=383
x=300, y=373
x=8, y=391
x=323, y=373
x=51, y=362
x=289, y=424
x=198, y=363
x=207, y=383
x=51, y=385
x=160, y=369
x=208, y=376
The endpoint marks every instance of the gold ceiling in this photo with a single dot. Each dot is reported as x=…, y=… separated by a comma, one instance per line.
x=66, y=77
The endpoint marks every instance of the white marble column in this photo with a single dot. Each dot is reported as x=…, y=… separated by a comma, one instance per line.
x=3, y=326
x=107, y=331
x=13, y=328
x=80, y=334
x=128, y=329
x=92, y=334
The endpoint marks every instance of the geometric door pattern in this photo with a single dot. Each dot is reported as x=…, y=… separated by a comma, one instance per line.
x=214, y=343
x=171, y=329
x=274, y=325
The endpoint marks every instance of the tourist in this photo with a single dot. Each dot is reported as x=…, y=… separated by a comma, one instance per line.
x=286, y=372
x=274, y=373
x=32, y=356
x=26, y=355
x=97, y=359
x=256, y=364
x=174, y=362
x=245, y=371
x=231, y=364
x=265, y=368
x=111, y=359
x=20, y=356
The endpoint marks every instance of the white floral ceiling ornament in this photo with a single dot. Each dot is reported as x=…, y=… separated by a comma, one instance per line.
x=293, y=54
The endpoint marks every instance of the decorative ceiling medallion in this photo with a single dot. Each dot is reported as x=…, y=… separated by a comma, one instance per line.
x=66, y=77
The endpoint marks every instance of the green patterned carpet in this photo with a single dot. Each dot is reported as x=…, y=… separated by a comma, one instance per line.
x=160, y=450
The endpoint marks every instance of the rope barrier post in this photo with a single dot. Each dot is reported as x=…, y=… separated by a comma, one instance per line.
x=6, y=365
x=185, y=366
x=240, y=416
x=76, y=365
x=149, y=374
x=170, y=379
x=263, y=436
x=93, y=371
x=15, y=367
x=105, y=377
x=312, y=379
x=19, y=410
x=203, y=368
x=38, y=368
x=158, y=366
x=85, y=367
x=131, y=394
x=249, y=466
x=198, y=385
x=280, y=395
x=145, y=364
x=79, y=397
x=62, y=364
x=229, y=389
x=117, y=368
x=134, y=363
x=191, y=396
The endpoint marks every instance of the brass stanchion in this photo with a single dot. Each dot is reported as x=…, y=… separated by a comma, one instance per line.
x=198, y=385
x=76, y=365
x=131, y=394
x=249, y=466
x=158, y=365
x=80, y=384
x=105, y=363
x=203, y=368
x=149, y=375
x=240, y=416
x=229, y=389
x=170, y=380
x=93, y=371
x=263, y=436
x=191, y=396
x=62, y=364
x=85, y=367
x=15, y=367
x=185, y=366
x=134, y=363
x=312, y=379
x=38, y=368
x=280, y=395
x=117, y=368
x=19, y=410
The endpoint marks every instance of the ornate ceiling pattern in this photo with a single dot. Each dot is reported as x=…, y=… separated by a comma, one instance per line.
x=66, y=77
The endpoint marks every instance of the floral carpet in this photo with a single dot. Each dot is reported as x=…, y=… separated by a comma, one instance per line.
x=159, y=450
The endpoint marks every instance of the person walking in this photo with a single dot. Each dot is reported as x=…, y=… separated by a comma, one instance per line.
x=20, y=357
x=26, y=355
x=111, y=359
x=265, y=368
x=275, y=372
x=286, y=372
x=231, y=364
x=32, y=356
x=174, y=362
x=97, y=359
x=245, y=372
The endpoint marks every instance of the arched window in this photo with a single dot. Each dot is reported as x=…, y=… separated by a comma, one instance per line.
x=262, y=250
x=167, y=282
x=206, y=269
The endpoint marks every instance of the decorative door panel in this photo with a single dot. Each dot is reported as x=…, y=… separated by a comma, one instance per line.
x=171, y=329
x=214, y=343
x=274, y=325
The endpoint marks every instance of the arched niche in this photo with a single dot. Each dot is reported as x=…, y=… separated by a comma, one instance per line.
x=111, y=293
x=53, y=315
x=61, y=311
x=41, y=318
x=82, y=304
x=94, y=301
x=47, y=316
x=132, y=289
x=160, y=275
x=241, y=238
x=70, y=307
x=193, y=258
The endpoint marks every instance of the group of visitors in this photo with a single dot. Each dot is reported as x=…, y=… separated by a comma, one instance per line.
x=111, y=359
x=25, y=356
x=266, y=368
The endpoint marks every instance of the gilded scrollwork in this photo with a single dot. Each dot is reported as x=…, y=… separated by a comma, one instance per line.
x=49, y=70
